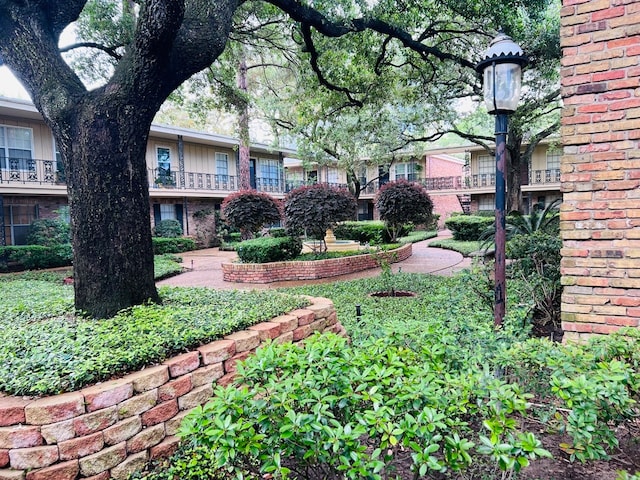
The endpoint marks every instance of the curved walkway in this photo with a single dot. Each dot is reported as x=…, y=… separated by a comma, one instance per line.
x=204, y=267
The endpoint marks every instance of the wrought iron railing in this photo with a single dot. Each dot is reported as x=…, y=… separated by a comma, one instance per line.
x=51, y=172
x=31, y=171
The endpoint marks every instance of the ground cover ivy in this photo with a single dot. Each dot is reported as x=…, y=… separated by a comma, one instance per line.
x=46, y=349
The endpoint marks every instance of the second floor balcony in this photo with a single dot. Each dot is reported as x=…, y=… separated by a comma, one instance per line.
x=37, y=172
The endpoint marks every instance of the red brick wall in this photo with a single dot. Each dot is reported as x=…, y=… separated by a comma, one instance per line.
x=309, y=270
x=444, y=205
x=113, y=428
x=600, y=216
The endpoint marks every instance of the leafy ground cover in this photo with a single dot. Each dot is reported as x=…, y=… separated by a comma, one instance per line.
x=426, y=388
x=46, y=348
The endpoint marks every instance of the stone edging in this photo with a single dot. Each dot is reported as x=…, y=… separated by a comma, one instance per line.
x=112, y=429
x=309, y=270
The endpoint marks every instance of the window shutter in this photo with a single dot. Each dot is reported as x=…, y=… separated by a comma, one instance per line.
x=156, y=214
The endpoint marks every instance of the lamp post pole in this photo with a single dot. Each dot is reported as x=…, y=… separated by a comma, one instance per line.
x=500, y=293
x=501, y=68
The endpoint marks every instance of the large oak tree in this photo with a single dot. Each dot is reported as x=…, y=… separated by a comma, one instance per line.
x=102, y=132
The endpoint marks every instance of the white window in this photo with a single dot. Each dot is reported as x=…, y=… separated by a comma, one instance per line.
x=486, y=165
x=270, y=171
x=168, y=212
x=406, y=171
x=332, y=175
x=486, y=203
x=222, y=164
x=553, y=160
x=16, y=148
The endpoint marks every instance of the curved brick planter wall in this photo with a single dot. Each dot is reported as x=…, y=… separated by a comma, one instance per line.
x=112, y=429
x=301, y=270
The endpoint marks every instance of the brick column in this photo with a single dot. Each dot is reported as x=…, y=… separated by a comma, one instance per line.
x=600, y=216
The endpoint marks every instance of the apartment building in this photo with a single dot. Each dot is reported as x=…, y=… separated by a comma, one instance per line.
x=458, y=179
x=189, y=172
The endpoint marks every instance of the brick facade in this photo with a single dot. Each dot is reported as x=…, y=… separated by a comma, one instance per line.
x=113, y=428
x=600, y=216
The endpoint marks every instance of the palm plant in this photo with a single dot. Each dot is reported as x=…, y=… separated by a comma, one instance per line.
x=546, y=220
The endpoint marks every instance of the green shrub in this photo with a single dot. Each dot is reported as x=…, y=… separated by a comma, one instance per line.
x=468, y=227
x=168, y=229
x=372, y=232
x=597, y=383
x=358, y=413
x=49, y=232
x=162, y=245
x=35, y=257
x=269, y=249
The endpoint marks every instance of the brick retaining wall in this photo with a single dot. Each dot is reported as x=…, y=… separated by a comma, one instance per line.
x=309, y=270
x=112, y=429
x=600, y=214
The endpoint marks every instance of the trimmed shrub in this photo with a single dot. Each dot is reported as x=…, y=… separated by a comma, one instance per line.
x=168, y=229
x=468, y=227
x=34, y=257
x=402, y=202
x=372, y=232
x=315, y=208
x=163, y=245
x=269, y=249
x=49, y=232
x=249, y=211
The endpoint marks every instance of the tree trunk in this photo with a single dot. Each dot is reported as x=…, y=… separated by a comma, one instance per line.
x=514, y=173
x=104, y=154
x=243, y=127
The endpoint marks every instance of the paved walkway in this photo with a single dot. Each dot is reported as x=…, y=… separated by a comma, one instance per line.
x=203, y=267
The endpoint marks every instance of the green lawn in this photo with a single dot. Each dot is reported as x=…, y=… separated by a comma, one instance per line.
x=465, y=248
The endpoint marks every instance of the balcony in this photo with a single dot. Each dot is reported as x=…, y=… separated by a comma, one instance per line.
x=31, y=171
x=536, y=177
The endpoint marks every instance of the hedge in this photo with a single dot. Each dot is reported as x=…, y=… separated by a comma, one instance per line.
x=172, y=245
x=372, y=232
x=468, y=227
x=269, y=249
x=35, y=257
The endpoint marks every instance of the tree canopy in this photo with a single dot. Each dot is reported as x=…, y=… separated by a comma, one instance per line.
x=101, y=130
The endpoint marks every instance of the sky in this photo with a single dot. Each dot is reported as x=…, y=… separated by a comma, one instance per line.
x=10, y=86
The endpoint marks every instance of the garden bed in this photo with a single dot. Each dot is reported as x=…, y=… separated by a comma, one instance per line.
x=115, y=427
x=310, y=270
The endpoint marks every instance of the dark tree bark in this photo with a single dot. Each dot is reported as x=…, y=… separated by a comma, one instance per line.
x=102, y=134
x=515, y=161
x=243, y=127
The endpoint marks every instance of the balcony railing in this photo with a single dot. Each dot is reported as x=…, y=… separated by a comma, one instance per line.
x=31, y=171
x=51, y=172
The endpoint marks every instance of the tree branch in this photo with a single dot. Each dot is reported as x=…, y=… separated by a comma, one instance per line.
x=314, y=57
x=111, y=51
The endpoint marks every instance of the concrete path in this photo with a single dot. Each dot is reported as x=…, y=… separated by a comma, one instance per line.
x=203, y=267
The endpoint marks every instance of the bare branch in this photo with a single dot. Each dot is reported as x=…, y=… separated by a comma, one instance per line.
x=111, y=51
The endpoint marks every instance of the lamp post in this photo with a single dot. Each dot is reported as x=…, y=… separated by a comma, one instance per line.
x=501, y=68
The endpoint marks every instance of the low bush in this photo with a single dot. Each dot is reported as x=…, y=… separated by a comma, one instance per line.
x=46, y=349
x=163, y=245
x=168, y=229
x=49, y=232
x=373, y=232
x=269, y=249
x=35, y=257
x=468, y=227
x=355, y=416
